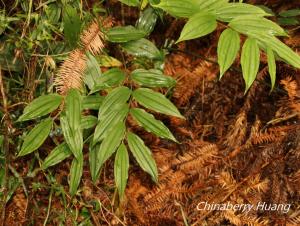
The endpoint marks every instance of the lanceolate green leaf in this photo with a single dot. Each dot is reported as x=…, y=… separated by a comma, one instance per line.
x=73, y=108
x=282, y=50
x=41, y=106
x=288, y=21
x=72, y=24
x=228, y=47
x=92, y=71
x=53, y=13
x=108, y=121
x=211, y=5
x=36, y=137
x=250, y=61
x=142, y=48
x=188, y=8
x=72, y=137
x=152, y=125
x=147, y=20
x=197, y=26
x=124, y=34
x=142, y=155
x=92, y=102
x=266, y=9
x=290, y=13
x=114, y=99
x=155, y=101
x=93, y=161
x=88, y=121
x=108, y=61
x=75, y=174
x=121, y=166
x=271, y=66
x=233, y=10
x=110, y=144
x=179, y=8
x=152, y=78
x=249, y=24
x=57, y=155
x=110, y=78
x=130, y=2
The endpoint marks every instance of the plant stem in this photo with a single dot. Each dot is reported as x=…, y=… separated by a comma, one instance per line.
x=49, y=207
x=5, y=149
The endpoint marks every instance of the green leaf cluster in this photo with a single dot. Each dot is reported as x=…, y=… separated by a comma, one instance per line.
x=242, y=19
x=134, y=94
x=107, y=133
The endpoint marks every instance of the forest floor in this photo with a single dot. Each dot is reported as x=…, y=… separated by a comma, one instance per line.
x=233, y=147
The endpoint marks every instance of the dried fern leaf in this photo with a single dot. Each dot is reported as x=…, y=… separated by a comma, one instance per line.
x=92, y=38
x=70, y=74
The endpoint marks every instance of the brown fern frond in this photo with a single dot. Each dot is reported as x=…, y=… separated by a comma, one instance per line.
x=296, y=177
x=237, y=134
x=156, y=199
x=290, y=86
x=183, y=91
x=257, y=185
x=183, y=192
x=293, y=219
x=70, y=74
x=226, y=180
x=265, y=138
x=92, y=39
x=252, y=220
x=197, y=158
x=232, y=217
x=296, y=107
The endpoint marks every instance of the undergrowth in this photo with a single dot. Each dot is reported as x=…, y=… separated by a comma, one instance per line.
x=136, y=112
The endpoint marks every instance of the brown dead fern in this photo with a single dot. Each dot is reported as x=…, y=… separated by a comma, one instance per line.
x=71, y=72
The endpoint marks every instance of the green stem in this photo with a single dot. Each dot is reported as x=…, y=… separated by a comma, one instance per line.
x=49, y=207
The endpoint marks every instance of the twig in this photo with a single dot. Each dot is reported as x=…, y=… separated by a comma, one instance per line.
x=20, y=179
x=49, y=207
x=5, y=148
x=51, y=55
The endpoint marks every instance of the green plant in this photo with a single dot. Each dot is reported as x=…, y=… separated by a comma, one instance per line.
x=128, y=93
x=204, y=16
x=124, y=92
x=289, y=17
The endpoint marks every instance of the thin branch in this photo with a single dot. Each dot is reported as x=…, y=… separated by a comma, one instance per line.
x=49, y=207
x=5, y=148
